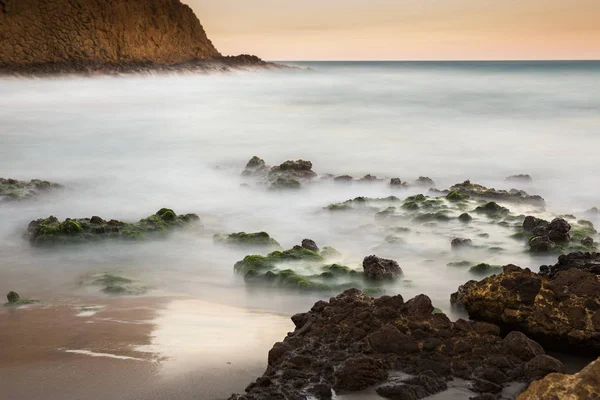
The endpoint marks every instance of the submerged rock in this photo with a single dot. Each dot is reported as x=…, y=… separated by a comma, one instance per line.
x=351, y=342
x=14, y=300
x=397, y=183
x=584, y=385
x=343, y=178
x=299, y=169
x=14, y=190
x=561, y=311
x=481, y=192
x=465, y=217
x=255, y=167
x=425, y=181
x=521, y=178
x=380, y=269
x=260, y=239
x=493, y=210
x=115, y=284
x=50, y=231
x=458, y=243
x=485, y=269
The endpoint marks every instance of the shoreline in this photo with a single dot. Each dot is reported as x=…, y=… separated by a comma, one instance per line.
x=90, y=68
x=134, y=348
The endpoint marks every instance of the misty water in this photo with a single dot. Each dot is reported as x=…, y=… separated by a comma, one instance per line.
x=126, y=147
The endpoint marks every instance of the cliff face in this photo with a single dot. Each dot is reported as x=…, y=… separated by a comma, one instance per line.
x=100, y=31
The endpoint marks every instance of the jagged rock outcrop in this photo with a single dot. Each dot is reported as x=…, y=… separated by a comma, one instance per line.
x=14, y=190
x=561, y=312
x=353, y=341
x=585, y=385
x=80, y=32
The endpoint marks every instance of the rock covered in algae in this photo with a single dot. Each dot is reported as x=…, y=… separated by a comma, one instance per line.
x=50, y=231
x=15, y=190
x=477, y=191
x=377, y=268
x=256, y=239
x=354, y=341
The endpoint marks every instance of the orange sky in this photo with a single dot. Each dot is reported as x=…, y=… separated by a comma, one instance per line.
x=403, y=29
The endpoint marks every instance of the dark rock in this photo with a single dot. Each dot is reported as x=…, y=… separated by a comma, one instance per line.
x=12, y=297
x=587, y=241
x=359, y=372
x=368, y=178
x=542, y=365
x=396, y=335
x=558, y=230
x=14, y=190
x=256, y=167
x=541, y=244
x=465, y=217
x=425, y=182
x=380, y=269
x=531, y=222
x=461, y=242
x=520, y=179
x=484, y=386
x=343, y=178
x=521, y=346
x=292, y=171
x=310, y=245
x=282, y=183
x=577, y=260
x=396, y=182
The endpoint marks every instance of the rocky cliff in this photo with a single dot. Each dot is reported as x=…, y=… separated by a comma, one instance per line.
x=76, y=32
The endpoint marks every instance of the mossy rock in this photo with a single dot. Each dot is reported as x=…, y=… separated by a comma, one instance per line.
x=14, y=300
x=493, y=210
x=116, y=285
x=416, y=198
x=410, y=205
x=460, y=264
x=456, y=196
x=485, y=269
x=258, y=239
x=50, y=231
x=465, y=218
x=430, y=217
x=257, y=264
x=15, y=190
x=329, y=253
x=580, y=232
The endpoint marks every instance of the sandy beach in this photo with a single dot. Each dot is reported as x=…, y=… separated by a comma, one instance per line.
x=133, y=348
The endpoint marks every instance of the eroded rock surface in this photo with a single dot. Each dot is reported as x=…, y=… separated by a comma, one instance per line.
x=585, y=385
x=353, y=341
x=100, y=31
x=562, y=311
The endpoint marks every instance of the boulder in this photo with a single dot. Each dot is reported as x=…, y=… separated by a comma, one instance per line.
x=458, y=243
x=584, y=385
x=13, y=297
x=477, y=191
x=425, y=181
x=559, y=309
x=577, y=260
x=310, y=245
x=380, y=269
x=352, y=341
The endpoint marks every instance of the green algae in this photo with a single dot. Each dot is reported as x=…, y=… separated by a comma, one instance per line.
x=259, y=239
x=456, y=196
x=492, y=210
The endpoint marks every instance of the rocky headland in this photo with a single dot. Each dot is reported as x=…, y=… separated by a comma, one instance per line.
x=104, y=36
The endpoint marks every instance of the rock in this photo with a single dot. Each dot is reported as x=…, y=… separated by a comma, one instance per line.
x=541, y=244
x=14, y=190
x=397, y=183
x=519, y=345
x=368, y=178
x=310, y=245
x=465, y=217
x=13, y=297
x=458, y=243
x=561, y=311
x=558, y=230
x=380, y=269
x=542, y=365
x=283, y=183
x=456, y=196
x=531, y=223
x=353, y=340
x=259, y=239
x=359, y=372
x=520, y=179
x=577, y=260
x=587, y=241
x=425, y=182
x=76, y=36
x=492, y=209
x=481, y=192
x=343, y=178
x=414, y=388
x=292, y=171
x=585, y=385
x=485, y=269
x=255, y=167
x=50, y=231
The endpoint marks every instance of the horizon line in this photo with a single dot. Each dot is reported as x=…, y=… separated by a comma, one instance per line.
x=442, y=60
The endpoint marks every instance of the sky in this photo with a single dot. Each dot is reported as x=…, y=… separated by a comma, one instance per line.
x=403, y=29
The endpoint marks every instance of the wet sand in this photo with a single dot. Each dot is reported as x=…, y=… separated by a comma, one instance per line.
x=133, y=348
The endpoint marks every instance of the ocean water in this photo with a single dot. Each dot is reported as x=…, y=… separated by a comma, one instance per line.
x=126, y=147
